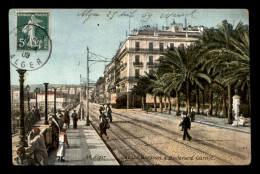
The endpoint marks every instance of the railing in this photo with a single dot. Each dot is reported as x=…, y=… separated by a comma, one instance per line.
x=142, y=50
x=138, y=63
x=151, y=64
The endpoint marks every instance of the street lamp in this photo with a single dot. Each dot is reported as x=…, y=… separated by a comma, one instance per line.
x=55, y=101
x=36, y=92
x=21, y=142
x=46, y=91
x=28, y=91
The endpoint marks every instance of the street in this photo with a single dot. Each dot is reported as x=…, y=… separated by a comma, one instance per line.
x=137, y=138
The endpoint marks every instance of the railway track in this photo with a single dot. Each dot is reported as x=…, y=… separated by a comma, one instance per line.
x=205, y=147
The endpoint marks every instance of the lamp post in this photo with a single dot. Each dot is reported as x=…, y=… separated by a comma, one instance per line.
x=21, y=142
x=46, y=93
x=36, y=92
x=87, y=97
x=28, y=92
x=55, y=101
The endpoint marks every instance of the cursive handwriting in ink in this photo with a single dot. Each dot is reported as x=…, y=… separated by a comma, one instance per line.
x=88, y=14
x=130, y=14
x=147, y=16
x=110, y=14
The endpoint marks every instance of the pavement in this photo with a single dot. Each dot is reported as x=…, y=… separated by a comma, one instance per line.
x=86, y=148
x=205, y=120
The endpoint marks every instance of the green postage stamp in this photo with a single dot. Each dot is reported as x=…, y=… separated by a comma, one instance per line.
x=32, y=30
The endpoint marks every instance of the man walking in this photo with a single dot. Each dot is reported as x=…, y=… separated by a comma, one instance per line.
x=186, y=125
x=75, y=119
x=66, y=120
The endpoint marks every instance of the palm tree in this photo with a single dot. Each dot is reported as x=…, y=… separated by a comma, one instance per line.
x=183, y=71
x=226, y=50
x=158, y=85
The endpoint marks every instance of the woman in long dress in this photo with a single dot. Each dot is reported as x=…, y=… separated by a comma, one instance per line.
x=62, y=142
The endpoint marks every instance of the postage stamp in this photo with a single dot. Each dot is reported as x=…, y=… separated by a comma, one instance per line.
x=32, y=31
x=30, y=43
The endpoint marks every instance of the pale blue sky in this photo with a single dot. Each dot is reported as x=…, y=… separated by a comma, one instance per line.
x=71, y=34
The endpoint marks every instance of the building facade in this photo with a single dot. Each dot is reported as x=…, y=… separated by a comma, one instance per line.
x=138, y=54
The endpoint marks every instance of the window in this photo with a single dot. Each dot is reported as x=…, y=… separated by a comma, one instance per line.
x=137, y=46
x=161, y=47
x=150, y=46
x=137, y=58
x=150, y=59
x=137, y=72
x=171, y=46
x=181, y=47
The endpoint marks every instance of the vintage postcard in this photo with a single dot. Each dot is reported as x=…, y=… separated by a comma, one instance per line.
x=132, y=87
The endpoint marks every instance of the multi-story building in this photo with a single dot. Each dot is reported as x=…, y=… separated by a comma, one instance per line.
x=141, y=52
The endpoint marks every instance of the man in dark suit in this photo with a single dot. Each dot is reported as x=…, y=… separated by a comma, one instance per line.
x=186, y=125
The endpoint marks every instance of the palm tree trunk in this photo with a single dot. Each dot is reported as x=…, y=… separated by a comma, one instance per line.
x=229, y=105
x=210, y=100
x=143, y=105
x=177, y=103
x=188, y=104
x=197, y=101
x=165, y=103
x=161, y=108
x=154, y=104
x=169, y=106
x=133, y=101
x=203, y=100
x=249, y=98
x=224, y=106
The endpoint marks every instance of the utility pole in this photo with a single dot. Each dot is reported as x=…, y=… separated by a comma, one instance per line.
x=55, y=101
x=46, y=103
x=87, y=98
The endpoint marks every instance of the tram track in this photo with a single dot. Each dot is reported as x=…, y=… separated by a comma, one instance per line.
x=154, y=129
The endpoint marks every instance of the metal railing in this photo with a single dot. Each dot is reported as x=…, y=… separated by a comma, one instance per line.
x=138, y=63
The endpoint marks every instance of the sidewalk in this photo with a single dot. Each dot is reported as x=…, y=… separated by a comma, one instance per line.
x=86, y=148
x=206, y=120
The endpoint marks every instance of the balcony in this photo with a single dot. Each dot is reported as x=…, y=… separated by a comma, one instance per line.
x=140, y=50
x=138, y=64
x=151, y=64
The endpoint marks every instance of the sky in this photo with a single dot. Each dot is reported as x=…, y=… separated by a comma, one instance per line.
x=102, y=30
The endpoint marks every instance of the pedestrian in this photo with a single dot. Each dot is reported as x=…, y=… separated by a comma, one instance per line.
x=37, y=141
x=186, y=125
x=75, y=119
x=181, y=122
x=109, y=112
x=38, y=114
x=103, y=124
x=79, y=114
x=66, y=120
x=83, y=114
x=60, y=119
x=101, y=108
x=192, y=115
x=63, y=140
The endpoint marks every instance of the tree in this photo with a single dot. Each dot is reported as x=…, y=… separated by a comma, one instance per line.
x=183, y=71
x=226, y=50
